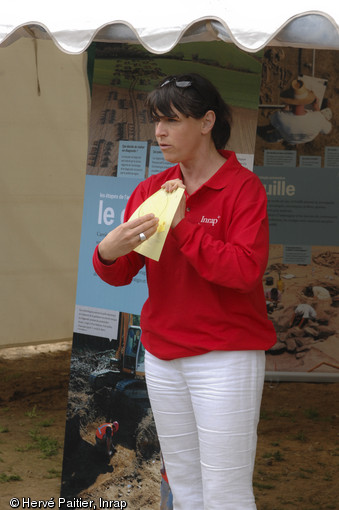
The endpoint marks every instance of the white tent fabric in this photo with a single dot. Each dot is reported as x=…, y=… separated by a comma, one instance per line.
x=159, y=27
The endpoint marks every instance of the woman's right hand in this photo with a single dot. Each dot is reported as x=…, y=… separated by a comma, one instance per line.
x=126, y=237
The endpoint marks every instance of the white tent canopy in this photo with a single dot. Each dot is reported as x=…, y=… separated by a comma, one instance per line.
x=159, y=27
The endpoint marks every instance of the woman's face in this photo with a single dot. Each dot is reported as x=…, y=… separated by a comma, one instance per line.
x=178, y=137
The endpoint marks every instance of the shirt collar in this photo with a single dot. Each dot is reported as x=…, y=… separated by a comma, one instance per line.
x=222, y=177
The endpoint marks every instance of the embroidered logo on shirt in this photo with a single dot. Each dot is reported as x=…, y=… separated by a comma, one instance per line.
x=211, y=221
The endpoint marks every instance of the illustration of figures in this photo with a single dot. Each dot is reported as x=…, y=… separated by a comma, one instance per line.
x=318, y=292
x=104, y=437
x=297, y=123
x=273, y=297
x=302, y=314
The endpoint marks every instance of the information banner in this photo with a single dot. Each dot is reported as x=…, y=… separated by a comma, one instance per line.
x=132, y=159
x=107, y=380
x=104, y=206
x=303, y=204
x=297, y=160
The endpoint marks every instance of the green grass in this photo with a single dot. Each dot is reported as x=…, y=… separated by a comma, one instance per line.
x=300, y=436
x=263, y=486
x=277, y=456
x=264, y=415
x=227, y=55
x=9, y=478
x=47, y=445
x=3, y=429
x=53, y=473
x=283, y=413
x=311, y=413
x=235, y=73
x=46, y=423
x=32, y=414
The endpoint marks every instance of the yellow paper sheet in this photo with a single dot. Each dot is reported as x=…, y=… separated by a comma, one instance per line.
x=164, y=206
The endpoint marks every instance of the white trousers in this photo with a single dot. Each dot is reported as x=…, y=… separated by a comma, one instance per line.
x=206, y=411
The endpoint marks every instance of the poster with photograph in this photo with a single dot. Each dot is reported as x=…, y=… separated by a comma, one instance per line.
x=107, y=383
x=296, y=157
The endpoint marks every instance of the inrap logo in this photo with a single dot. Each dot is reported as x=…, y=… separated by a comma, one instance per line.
x=211, y=221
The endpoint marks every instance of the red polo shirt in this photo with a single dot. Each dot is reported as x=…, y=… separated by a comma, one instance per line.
x=205, y=292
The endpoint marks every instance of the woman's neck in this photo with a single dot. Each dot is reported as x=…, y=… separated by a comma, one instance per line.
x=196, y=173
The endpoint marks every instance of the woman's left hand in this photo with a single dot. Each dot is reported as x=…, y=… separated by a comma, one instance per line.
x=171, y=186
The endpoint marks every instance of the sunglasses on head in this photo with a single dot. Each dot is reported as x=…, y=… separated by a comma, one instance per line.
x=180, y=84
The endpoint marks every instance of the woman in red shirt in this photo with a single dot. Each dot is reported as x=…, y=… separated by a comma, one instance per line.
x=204, y=325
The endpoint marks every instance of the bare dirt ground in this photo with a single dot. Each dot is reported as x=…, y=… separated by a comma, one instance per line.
x=297, y=458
